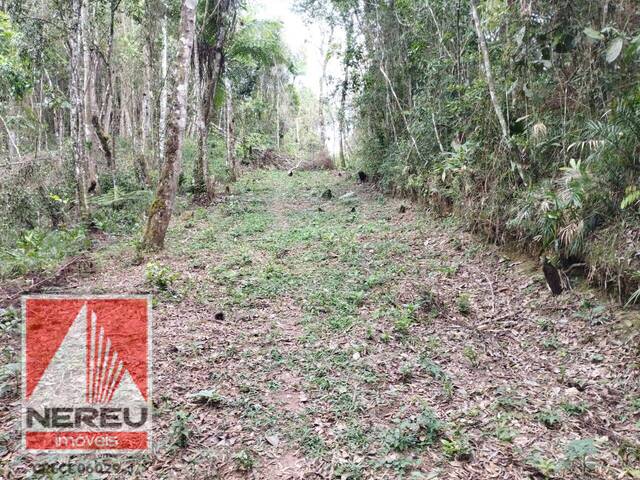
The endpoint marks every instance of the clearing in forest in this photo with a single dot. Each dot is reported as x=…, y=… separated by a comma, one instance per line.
x=302, y=337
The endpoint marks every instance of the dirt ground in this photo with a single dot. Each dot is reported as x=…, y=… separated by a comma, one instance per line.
x=297, y=337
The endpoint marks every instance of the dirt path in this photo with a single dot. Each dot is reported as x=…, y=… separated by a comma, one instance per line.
x=344, y=339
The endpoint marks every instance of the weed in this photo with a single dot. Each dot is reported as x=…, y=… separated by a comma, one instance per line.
x=160, y=276
x=545, y=466
x=9, y=319
x=550, y=343
x=508, y=402
x=417, y=431
x=405, y=319
x=244, y=460
x=575, y=408
x=545, y=324
x=471, y=355
x=593, y=314
x=464, y=303
x=433, y=369
x=41, y=251
x=311, y=443
x=579, y=451
x=549, y=418
x=457, y=447
x=406, y=372
x=504, y=431
x=180, y=431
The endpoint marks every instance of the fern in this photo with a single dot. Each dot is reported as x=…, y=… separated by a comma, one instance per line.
x=632, y=196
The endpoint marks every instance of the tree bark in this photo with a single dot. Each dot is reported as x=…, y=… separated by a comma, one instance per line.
x=162, y=127
x=487, y=70
x=77, y=109
x=231, y=139
x=321, y=97
x=161, y=208
x=88, y=92
x=210, y=65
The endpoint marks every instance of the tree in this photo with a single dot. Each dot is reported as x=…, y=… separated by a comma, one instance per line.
x=212, y=36
x=160, y=211
x=77, y=115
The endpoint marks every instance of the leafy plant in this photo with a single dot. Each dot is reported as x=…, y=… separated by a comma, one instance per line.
x=160, y=276
x=546, y=466
x=464, y=304
x=180, y=430
x=579, y=451
x=471, y=355
x=549, y=418
x=456, y=447
x=417, y=431
x=244, y=460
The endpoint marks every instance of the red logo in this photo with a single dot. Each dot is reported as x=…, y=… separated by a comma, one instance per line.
x=86, y=374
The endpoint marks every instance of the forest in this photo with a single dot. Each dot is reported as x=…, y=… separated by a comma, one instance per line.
x=383, y=238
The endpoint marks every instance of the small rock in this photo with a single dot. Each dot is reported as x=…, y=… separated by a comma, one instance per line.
x=272, y=440
x=356, y=356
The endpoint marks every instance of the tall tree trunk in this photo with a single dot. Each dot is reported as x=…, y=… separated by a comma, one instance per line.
x=145, y=111
x=77, y=108
x=231, y=139
x=88, y=101
x=210, y=63
x=487, y=70
x=343, y=94
x=161, y=208
x=162, y=127
x=323, y=79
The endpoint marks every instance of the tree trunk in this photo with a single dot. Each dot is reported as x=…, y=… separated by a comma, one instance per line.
x=161, y=208
x=487, y=70
x=145, y=110
x=77, y=109
x=323, y=79
x=210, y=68
x=231, y=141
x=88, y=102
x=162, y=127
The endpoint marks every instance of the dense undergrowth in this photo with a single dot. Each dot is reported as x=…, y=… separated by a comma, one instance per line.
x=563, y=179
x=40, y=227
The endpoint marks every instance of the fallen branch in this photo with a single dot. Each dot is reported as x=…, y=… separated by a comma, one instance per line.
x=44, y=281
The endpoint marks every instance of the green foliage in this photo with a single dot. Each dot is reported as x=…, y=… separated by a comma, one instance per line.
x=180, y=429
x=14, y=80
x=417, y=431
x=579, y=451
x=545, y=466
x=549, y=418
x=426, y=125
x=160, y=276
x=464, y=303
x=456, y=447
x=244, y=460
x=41, y=250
